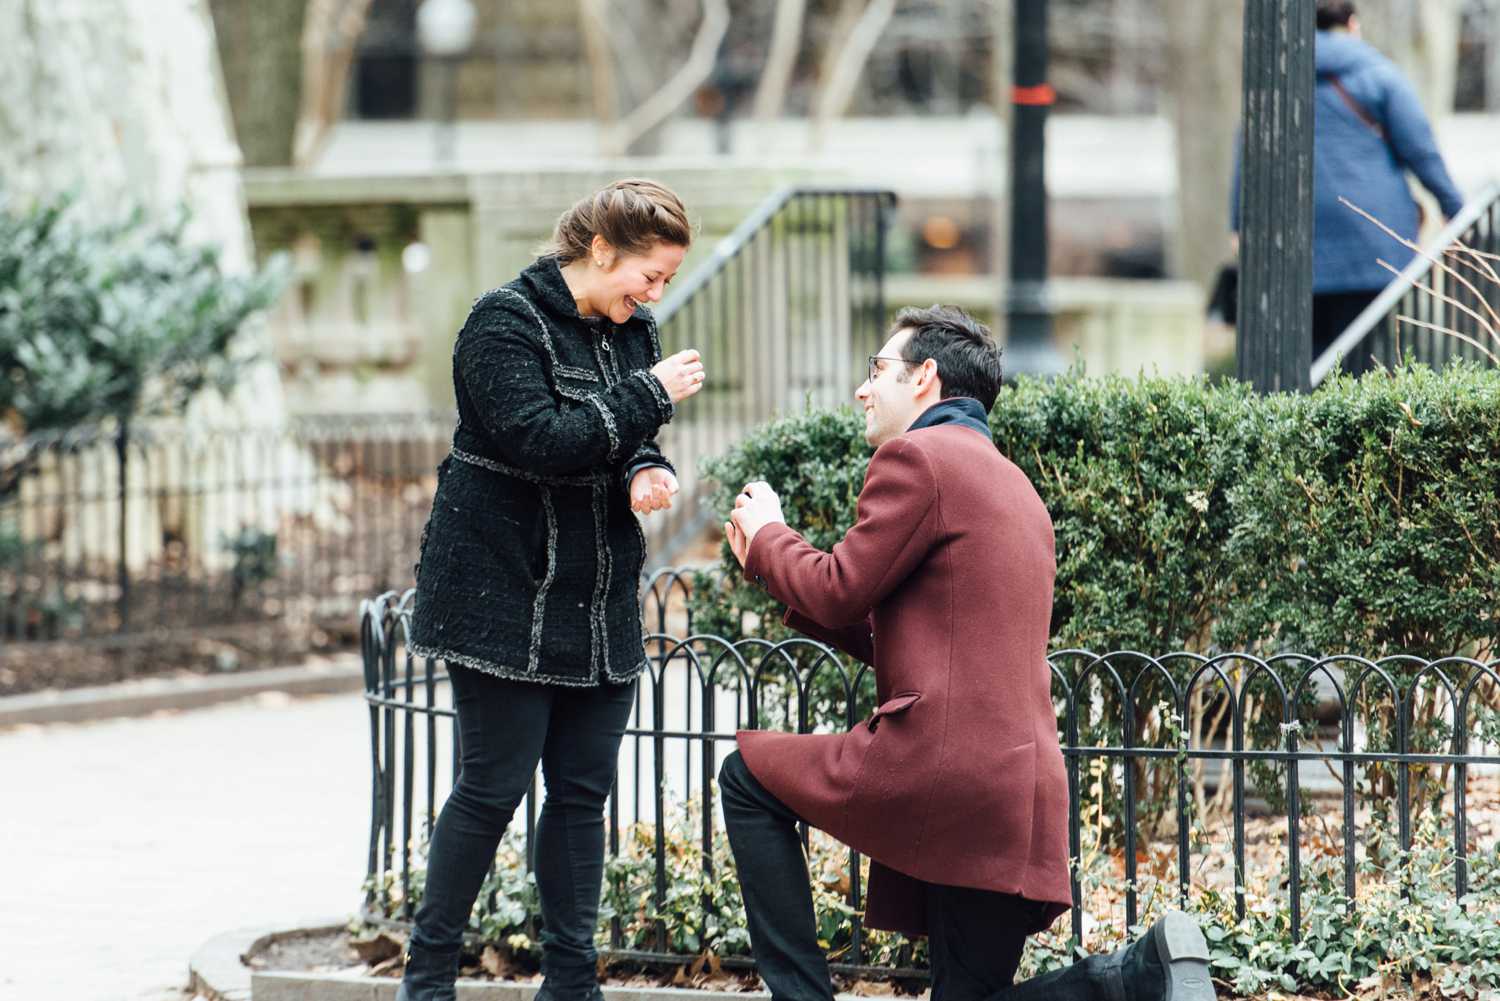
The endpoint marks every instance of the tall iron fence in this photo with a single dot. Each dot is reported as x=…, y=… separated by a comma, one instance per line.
x=1443, y=306
x=1234, y=774
x=107, y=533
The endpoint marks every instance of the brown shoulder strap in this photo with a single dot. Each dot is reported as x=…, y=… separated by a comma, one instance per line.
x=1356, y=107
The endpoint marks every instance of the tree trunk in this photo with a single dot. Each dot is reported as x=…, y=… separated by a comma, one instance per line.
x=123, y=102
x=627, y=135
x=837, y=90
x=1205, y=53
x=593, y=24
x=1422, y=39
x=781, y=59
x=330, y=30
x=1002, y=55
x=260, y=49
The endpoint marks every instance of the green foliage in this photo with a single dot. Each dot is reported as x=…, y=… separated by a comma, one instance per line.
x=1406, y=923
x=701, y=910
x=1364, y=517
x=1372, y=522
x=14, y=548
x=816, y=461
x=112, y=320
x=1135, y=474
x=255, y=562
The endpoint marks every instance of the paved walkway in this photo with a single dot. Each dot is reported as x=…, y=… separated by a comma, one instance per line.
x=126, y=844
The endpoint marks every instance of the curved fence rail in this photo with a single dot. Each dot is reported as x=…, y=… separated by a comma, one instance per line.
x=1170, y=760
x=1442, y=306
x=112, y=534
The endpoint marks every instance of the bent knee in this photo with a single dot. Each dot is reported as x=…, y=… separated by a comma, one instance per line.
x=732, y=775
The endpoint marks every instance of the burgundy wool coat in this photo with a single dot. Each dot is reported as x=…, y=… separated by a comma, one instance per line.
x=944, y=584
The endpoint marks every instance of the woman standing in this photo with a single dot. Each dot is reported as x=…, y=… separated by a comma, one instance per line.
x=529, y=575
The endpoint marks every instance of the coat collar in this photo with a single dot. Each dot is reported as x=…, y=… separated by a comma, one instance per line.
x=964, y=411
x=544, y=281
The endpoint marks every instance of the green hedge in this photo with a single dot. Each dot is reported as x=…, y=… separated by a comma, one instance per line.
x=1361, y=518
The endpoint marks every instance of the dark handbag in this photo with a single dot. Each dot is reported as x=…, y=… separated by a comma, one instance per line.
x=1223, y=301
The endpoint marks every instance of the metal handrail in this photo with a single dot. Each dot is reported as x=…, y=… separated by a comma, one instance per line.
x=1343, y=346
x=728, y=248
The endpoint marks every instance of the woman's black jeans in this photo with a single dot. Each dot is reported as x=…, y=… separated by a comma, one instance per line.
x=505, y=727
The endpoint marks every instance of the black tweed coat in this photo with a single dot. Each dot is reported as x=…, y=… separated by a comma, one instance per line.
x=531, y=560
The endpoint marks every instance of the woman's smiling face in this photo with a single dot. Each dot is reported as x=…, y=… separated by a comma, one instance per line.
x=630, y=280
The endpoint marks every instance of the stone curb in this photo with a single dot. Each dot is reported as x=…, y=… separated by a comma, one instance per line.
x=218, y=975
x=216, y=970
x=149, y=695
x=350, y=987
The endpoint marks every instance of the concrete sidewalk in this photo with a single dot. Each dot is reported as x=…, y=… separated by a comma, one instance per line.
x=128, y=843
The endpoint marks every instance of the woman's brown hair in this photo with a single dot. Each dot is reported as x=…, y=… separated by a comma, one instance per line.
x=634, y=215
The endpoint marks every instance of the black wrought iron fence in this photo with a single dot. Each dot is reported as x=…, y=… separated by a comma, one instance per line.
x=1170, y=759
x=1443, y=306
x=106, y=533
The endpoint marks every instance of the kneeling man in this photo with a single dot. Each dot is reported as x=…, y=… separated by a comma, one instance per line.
x=955, y=786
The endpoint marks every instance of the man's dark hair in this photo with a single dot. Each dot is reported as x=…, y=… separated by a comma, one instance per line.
x=1334, y=14
x=968, y=361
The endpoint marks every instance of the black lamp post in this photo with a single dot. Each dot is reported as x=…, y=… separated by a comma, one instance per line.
x=1273, y=347
x=1028, y=309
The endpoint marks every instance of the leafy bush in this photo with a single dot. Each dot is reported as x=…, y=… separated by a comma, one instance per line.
x=1406, y=924
x=255, y=562
x=1371, y=522
x=1363, y=518
x=114, y=319
x=700, y=912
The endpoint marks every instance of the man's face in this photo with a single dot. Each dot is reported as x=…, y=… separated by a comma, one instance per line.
x=888, y=395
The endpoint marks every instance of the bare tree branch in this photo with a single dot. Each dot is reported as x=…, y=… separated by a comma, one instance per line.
x=1450, y=332
x=781, y=59
x=329, y=36
x=600, y=58
x=1424, y=254
x=699, y=65
x=838, y=90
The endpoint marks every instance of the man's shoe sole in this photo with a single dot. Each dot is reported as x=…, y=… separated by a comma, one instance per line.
x=1184, y=958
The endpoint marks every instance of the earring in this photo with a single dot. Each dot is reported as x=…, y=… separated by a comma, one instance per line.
x=598, y=263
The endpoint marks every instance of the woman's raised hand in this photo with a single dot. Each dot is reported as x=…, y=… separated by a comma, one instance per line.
x=681, y=374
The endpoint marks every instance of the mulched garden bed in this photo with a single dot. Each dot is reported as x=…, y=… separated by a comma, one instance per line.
x=377, y=953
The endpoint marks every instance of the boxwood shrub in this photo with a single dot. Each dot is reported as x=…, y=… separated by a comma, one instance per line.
x=1361, y=518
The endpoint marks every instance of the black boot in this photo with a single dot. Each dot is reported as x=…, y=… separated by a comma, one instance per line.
x=548, y=993
x=429, y=976
x=568, y=983
x=1168, y=963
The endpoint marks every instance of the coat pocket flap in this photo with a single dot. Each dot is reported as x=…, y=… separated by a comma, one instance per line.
x=893, y=705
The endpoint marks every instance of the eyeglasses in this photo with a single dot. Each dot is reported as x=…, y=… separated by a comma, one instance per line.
x=875, y=370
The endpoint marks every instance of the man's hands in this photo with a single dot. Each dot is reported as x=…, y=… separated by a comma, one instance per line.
x=681, y=374
x=652, y=489
x=756, y=507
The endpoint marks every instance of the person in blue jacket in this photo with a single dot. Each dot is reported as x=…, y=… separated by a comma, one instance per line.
x=1369, y=130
